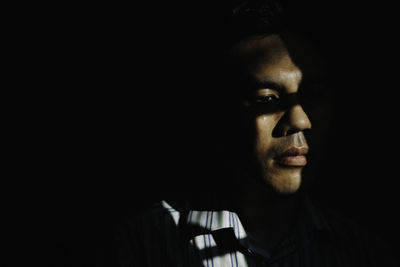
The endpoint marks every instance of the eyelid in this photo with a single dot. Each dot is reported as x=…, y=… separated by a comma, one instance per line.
x=261, y=94
x=266, y=92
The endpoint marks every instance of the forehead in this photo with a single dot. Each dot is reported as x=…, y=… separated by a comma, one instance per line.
x=274, y=55
x=267, y=49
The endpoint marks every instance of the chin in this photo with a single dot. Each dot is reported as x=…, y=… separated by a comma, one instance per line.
x=285, y=185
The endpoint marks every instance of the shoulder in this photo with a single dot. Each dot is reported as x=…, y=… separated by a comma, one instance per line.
x=151, y=231
x=151, y=219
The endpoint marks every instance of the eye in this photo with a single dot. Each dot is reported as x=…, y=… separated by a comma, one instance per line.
x=266, y=99
x=263, y=98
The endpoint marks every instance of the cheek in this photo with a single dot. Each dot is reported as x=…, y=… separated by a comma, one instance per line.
x=264, y=126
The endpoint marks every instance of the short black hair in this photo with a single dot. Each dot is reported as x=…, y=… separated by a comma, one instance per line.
x=230, y=22
x=237, y=20
x=249, y=18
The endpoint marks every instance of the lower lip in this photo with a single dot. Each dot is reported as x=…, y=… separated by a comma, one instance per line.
x=293, y=161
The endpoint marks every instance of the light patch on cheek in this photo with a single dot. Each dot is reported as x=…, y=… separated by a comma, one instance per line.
x=264, y=122
x=264, y=126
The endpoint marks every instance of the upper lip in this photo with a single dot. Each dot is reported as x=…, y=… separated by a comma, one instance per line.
x=294, y=151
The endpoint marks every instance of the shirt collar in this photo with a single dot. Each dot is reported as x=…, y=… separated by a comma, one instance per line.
x=206, y=221
x=225, y=226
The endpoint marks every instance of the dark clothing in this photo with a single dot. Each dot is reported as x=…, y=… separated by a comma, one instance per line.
x=170, y=236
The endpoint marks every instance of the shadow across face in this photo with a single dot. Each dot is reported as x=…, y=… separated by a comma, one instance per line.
x=266, y=79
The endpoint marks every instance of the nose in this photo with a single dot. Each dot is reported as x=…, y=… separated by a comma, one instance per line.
x=294, y=120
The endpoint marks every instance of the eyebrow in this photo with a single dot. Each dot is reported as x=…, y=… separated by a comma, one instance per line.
x=260, y=83
x=256, y=83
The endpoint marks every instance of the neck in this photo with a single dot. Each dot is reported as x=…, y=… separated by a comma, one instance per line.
x=265, y=215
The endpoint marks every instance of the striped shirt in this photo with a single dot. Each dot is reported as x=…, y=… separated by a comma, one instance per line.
x=169, y=236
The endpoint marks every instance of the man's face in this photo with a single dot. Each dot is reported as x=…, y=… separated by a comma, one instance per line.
x=277, y=117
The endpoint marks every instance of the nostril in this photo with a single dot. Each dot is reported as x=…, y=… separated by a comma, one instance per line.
x=292, y=131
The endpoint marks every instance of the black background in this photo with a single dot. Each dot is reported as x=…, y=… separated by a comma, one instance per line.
x=102, y=109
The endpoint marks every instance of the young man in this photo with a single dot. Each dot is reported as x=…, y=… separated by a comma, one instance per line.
x=269, y=117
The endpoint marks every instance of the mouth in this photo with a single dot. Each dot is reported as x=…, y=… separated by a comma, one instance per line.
x=293, y=157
